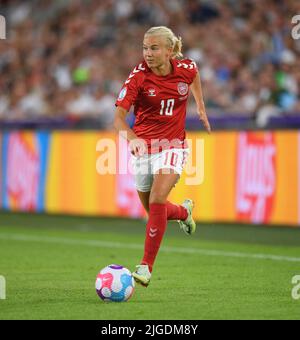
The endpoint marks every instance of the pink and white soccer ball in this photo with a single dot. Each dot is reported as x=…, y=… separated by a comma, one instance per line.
x=115, y=283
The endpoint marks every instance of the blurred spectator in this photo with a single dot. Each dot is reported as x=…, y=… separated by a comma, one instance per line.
x=70, y=58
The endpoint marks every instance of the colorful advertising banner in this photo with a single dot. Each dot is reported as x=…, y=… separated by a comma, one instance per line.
x=127, y=199
x=24, y=166
x=255, y=177
x=1, y=166
x=73, y=184
x=298, y=178
x=243, y=177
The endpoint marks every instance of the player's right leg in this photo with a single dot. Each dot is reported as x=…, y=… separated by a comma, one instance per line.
x=142, y=275
x=157, y=223
x=144, y=198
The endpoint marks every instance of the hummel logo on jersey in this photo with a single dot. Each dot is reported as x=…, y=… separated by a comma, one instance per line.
x=152, y=232
x=151, y=93
x=132, y=74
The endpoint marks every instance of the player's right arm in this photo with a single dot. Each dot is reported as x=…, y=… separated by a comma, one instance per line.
x=137, y=146
x=121, y=125
x=127, y=97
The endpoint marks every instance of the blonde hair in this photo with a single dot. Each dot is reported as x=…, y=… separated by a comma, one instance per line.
x=172, y=41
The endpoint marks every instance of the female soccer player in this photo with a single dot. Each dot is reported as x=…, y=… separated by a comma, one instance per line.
x=158, y=88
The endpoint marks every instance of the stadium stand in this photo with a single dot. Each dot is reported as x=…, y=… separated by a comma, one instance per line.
x=63, y=62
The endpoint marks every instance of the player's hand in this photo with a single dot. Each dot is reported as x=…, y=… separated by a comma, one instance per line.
x=204, y=120
x=138, y=147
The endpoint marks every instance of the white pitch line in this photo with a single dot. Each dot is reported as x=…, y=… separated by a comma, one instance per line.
x=166, y=249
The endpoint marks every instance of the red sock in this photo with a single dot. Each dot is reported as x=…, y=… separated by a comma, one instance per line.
x=176, y=212
x=155, y=230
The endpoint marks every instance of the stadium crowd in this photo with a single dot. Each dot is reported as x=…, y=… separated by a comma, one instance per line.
x=70, y=58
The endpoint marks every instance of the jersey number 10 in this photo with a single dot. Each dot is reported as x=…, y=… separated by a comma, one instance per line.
x=167, y=109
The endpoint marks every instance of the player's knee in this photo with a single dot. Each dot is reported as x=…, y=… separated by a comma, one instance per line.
x=157, y=197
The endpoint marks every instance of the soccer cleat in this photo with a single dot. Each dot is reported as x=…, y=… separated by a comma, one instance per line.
x=189, y=225
x=142, y=275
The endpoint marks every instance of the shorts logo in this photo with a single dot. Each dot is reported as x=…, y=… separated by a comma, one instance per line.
x=182, y=88
x=122, y=94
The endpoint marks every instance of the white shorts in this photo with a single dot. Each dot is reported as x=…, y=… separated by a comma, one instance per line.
x=146, y=166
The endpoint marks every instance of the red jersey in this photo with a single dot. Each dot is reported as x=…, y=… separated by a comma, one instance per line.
x=159, y=102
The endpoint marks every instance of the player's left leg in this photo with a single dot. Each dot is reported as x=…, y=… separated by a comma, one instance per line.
x=175, y=159
x=174, y=211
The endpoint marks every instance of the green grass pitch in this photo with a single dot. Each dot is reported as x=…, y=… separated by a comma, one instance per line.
x=223, y=272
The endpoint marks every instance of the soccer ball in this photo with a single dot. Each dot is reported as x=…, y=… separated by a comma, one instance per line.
x=114, y=283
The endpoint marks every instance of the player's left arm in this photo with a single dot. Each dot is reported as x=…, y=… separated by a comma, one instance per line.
x=198, y=96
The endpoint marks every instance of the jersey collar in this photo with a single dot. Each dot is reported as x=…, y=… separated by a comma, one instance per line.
x=174, y=67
